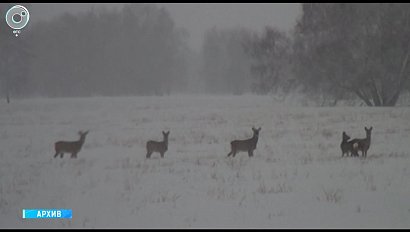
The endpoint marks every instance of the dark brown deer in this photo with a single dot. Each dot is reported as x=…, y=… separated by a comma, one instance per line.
x=363, y=145
x=160, y=147
x=72, y=147
x=248, y=145
x=347, y=146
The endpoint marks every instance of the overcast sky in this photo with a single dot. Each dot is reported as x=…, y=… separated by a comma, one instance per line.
x=196, y=18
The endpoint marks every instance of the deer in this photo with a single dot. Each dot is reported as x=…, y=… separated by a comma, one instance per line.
x=160, y=147
x=363, y=144
x=348, y=146
x=248, y=145
x=72, y=147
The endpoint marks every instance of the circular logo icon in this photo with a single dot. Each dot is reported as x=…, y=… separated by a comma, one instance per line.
x=17, y=17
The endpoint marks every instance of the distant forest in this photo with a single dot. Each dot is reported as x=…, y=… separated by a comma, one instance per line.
x=336, y=51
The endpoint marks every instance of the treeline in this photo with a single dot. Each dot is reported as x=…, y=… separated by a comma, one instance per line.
x=136, y=50
x=336, y=51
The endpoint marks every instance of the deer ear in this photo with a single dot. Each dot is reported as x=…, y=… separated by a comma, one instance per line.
x=371, y=128
x=259, y=128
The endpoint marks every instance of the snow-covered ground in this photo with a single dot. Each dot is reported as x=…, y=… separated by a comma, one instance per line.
x=297, y=178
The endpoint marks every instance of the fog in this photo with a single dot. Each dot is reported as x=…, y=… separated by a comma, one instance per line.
x=131, y=49
x=70, y=50
x=196, y=18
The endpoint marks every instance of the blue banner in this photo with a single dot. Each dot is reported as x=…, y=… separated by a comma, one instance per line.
x=47, y=213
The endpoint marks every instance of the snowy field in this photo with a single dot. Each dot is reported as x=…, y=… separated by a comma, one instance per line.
x=296, y=179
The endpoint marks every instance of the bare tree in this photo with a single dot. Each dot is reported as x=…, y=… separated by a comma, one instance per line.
x=360, y=49
x=271, y=56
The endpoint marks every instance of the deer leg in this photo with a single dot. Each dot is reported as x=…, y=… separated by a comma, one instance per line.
x=355, y=152
x=56, y=155
x=149, y=154
x=61, y=154
x=162, y=154
x=229, y=154
x=250, y=153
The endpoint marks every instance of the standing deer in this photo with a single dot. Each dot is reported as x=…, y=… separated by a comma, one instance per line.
x=363, y=144
x=160, y=147
x=72, y=147
x=348, y=146
x=248, y=145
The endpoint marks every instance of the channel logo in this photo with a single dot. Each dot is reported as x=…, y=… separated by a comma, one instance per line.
x=46, y=213
x=17, y=17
